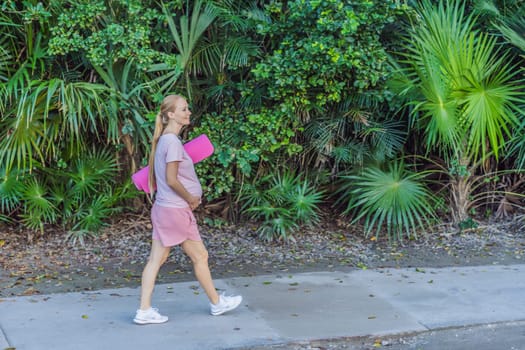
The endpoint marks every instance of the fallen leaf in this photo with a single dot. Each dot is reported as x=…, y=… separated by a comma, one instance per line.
x=31, y=291
x=362, y=266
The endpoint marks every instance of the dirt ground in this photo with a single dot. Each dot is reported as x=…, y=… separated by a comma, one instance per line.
x=50, y=263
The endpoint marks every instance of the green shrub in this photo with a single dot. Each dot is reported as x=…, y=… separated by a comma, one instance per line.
x=282, y=202
x=80, y=197
x=322, y=52
x=243, y=141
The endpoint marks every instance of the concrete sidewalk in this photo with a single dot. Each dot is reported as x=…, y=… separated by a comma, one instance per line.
x=276, y=309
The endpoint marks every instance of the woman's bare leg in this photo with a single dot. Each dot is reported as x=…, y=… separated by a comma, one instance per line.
x=157, y=257
x=199, y=257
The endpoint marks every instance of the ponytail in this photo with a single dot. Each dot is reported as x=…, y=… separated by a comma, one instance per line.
x=161, y=121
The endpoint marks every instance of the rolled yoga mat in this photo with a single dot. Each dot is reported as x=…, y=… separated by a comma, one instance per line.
x=198, y=149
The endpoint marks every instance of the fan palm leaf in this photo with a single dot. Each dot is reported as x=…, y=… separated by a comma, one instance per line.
x=513, y=29
x=90, y=172
x=436, y=111
x=38, y=205
x=282, y=201
x=305, y=200
x=395, y=199
x=91, y=215
x=10, y=190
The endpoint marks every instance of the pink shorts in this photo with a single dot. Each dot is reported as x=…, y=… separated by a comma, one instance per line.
x=172, y=226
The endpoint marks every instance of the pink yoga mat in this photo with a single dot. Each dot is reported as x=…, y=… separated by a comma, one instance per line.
x=198, y=149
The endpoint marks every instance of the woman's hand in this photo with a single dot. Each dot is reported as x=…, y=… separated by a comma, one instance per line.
x=194, y=202
x=172, y=169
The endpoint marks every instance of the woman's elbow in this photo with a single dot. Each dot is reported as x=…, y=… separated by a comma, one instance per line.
x=172, y=183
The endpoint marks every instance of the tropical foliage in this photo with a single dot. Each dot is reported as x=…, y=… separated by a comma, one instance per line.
x=331, y=79
x=465, y=91
x=79, y=197
x=310, y=105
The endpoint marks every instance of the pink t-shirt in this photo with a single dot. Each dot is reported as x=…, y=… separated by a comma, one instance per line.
x=170, y=149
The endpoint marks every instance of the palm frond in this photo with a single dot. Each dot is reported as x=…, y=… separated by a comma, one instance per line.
x=10, y=190
x=394, y=199
x=491, y=104
x=92, y=172
x=512, y=29
x=6, y=60
x=22, y=135
x=190, y=31
x=305, y=200
x=351, y=153
x=41, y=113
x=386, y=138
x=517, y=145
x=188, y=35
x=486, y=8
x=236, y=14
x=38, y=206
x=282, y=201
x=91, y=215
x=469, y=91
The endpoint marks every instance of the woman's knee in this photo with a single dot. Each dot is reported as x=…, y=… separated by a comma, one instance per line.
x=198, y=256
x=201, y=257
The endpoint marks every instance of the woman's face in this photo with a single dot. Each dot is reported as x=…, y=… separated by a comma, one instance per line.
x=181, y=112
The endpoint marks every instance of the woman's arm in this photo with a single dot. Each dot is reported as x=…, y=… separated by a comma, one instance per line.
x=172, y=170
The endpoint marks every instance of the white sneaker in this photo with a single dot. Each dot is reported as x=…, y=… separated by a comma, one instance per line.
x=150, y=315
x=225, y=304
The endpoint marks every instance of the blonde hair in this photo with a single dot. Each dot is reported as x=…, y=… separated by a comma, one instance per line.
x=161, y=121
